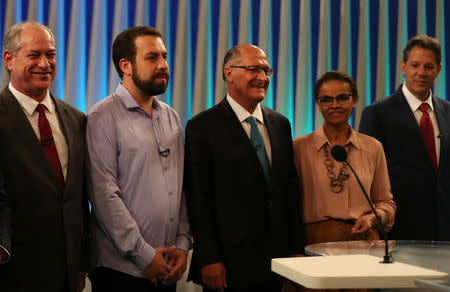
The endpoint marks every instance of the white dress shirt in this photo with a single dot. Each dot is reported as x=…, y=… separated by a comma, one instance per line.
x=415, y=103
x=243, y=114
x=29, y=105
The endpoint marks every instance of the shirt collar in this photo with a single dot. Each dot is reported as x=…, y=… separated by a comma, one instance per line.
x=322, y=139
x=414, y=102
x=242, y=113
x=28, y=103
x=129, y=100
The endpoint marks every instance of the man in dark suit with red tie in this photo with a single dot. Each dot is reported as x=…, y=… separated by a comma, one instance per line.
x=414, y=127
x=241, y=183
x=42, y=151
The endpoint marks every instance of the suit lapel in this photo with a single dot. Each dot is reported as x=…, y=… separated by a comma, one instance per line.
x=406, y=115
x=18, y=120
x=441, y=117
x=238, y=135
x=411, y=128
x=67, y=130
x=19, y=124
x=274, y=138
x=232, y=121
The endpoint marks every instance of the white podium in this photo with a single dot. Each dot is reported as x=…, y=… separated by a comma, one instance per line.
x=351, y=271
x=356, y=264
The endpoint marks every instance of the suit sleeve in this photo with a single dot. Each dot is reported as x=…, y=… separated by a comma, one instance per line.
x=297, y=243
x=380, y=192
x=85, y=255
x=200, y=195
x=112, y=215
x=5, y=223
x=184, y=238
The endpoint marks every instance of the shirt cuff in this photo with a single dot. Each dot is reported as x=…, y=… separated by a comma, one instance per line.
x=145, y=257
x=5, y=254
x=184, y=243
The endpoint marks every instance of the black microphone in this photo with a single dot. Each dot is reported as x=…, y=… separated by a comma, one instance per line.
x=339, y=153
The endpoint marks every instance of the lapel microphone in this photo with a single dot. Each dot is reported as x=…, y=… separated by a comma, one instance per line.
x=339, y=153
x=165, y=153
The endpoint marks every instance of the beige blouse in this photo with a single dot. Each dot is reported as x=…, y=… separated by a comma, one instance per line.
x=367, y=158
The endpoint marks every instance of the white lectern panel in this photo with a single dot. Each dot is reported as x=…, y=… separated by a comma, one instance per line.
x=351, y=271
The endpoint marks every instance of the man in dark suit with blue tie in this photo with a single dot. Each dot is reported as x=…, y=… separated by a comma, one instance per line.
x=42, y=151
x=414, y=127
x=241, y=184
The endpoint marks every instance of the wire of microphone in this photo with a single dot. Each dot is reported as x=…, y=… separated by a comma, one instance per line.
x=339, y=153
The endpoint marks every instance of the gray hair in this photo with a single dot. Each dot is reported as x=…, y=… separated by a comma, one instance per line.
x=233, y=53
x=11, y=40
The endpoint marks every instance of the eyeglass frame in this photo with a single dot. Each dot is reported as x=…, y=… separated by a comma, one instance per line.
x=250, y=69
x=338, y=101
x=337, y=98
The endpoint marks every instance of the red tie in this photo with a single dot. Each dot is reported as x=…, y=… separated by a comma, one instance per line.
x=426, y=126
x=48, y=143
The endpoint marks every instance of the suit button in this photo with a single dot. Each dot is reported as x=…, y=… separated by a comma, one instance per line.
x=269, y=204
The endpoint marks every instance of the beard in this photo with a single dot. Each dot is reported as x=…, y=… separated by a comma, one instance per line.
x=149, y=86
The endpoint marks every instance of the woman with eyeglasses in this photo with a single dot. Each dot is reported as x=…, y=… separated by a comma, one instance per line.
x=334, y=206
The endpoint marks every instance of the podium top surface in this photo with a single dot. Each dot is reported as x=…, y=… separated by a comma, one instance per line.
x=356, y=264
x=426, y=254
x=351, y=271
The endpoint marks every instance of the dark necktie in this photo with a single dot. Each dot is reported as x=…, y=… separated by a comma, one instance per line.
x=48, y=143
x=426, y=126
x=258, y=143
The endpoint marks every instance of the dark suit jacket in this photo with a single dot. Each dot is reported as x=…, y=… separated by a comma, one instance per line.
x=422, y=196
x=235, y=217
x=5, y=222
x=48, y=226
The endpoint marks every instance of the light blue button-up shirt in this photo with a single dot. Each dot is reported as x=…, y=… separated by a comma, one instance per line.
x=136, y=176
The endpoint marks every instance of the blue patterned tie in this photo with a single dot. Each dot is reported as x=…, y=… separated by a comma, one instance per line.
x=258, y=143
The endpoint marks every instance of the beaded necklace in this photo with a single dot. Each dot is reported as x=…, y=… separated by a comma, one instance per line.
x=336, y=182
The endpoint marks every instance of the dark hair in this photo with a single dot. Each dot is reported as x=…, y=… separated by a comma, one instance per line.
x=124, y=46
x=231, y=54
x=335, y=75
x=425, y=42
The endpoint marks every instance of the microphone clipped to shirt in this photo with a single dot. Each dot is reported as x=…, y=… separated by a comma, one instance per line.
x=339, y=153
x=165, y=153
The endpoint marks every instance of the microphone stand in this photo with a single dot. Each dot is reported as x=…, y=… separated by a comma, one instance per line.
x=387, y=258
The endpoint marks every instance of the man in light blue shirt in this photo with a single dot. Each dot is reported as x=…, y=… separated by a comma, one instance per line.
x=140, y=229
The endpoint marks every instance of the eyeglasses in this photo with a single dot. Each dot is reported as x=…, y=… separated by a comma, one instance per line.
x=340, y=99
x=256, y=69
